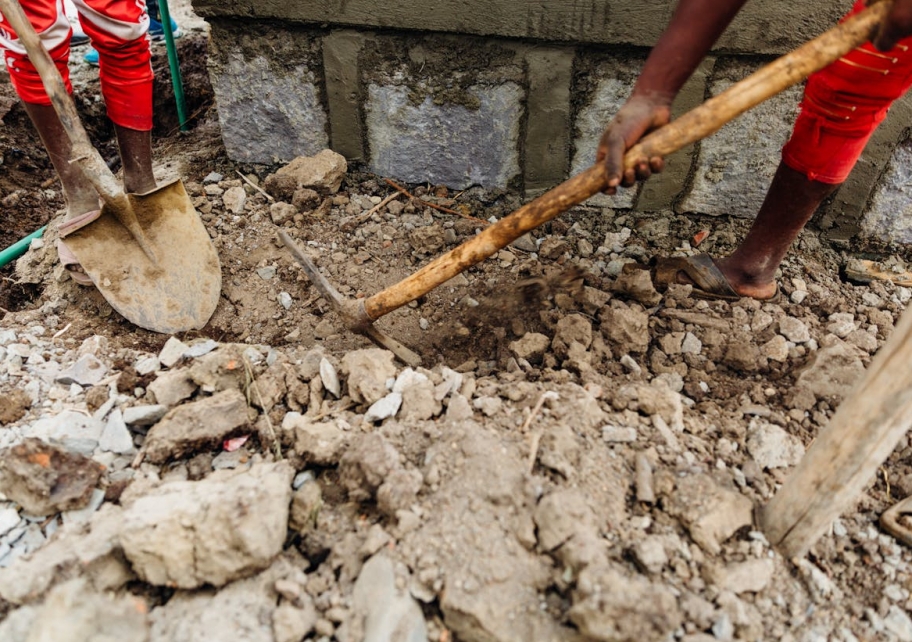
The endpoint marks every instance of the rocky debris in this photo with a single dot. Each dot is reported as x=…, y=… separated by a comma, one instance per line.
x=531, y=347
x=116, y=437
x=172, y=387
x=625, y=327
x=711, y=512
x=247, y=605
x=771, y=446
x=832, y=371
x=610, y=605
x=367, y=373
x=323, y=172
x=198, y=424
x=88, y=371
x=319, y=442
x=305, y=507
x=751, y=576
x=88, y=550
x=383, y=613
x=13, y=406
x=214, y=531
x=73, y=612
x=45, y=479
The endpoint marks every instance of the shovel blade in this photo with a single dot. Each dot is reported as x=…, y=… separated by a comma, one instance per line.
x=174, y=290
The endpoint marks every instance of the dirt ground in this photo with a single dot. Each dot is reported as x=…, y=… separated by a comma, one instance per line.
x=529, y=515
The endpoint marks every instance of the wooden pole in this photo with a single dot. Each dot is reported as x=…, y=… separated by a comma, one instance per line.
x=848, y=451
x=693, y=126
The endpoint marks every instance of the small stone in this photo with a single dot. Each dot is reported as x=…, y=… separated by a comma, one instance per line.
x=281, y=212
x=751, y=576
x=619, y=434
x=384, y=408
x=234, y=199
x=531, y=347
x=87, y=371
x=712, y=513
x=212, y=177
x=172, y=352
x=490, y=406
x=200, y=348
x=691, y=344
x=459, y=409
x=649, y=554
x=387, y=612
x=266, y=273
x=772, y=447
x=285, y=300
x=147, y=365
x=898, y=623
x=9, y=519
x=171, y=388
x=116, y=437
x=330, y=378
x=794, y=330
x=146, y=415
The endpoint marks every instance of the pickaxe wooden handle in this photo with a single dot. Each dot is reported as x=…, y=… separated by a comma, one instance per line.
x=691, y=127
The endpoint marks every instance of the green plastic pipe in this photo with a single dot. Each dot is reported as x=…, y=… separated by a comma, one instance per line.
x=18, y=248
x=176, y=81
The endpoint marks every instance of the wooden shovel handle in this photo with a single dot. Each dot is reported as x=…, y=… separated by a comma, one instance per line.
x=83, y=152
x=693, y=126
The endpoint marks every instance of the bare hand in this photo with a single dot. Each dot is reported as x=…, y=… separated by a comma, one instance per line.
x=639, y=116
x=896, y=26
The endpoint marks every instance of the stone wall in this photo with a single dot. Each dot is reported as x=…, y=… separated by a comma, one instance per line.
x=509, y=95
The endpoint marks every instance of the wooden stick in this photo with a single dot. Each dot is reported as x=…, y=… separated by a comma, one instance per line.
x=693, y=126
x=358, y=220
x=254, y=185
x=439, y=208
x=848, y=451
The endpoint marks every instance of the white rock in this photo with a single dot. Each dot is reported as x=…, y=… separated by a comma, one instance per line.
x=794, y=330
x=200, y=348
x=285, y=300
x=408, y=378
x=115, y=437
x=9, y=519
x=691, y=344
x=147, y=365
x=144, y=415
x=619, y=434
x=898, y=623
x=385, y=408
x=842, y=324
x=330, y=378
x=172, y=352
x=772, y=447
x=87, y=371
x=234, y=199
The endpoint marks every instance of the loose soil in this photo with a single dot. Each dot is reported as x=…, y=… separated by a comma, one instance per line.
x=475, y=510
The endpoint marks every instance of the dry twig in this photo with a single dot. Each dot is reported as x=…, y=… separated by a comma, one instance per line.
x=536, y=438
x=251, y=384
x=440, y=208
x=254, y=185
x=358, y=220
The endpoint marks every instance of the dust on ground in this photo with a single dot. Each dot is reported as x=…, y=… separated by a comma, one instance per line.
x=550, y=476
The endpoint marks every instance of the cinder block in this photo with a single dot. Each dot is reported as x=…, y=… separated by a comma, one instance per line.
x=613, y=80
x=269, y=112
x=736, y=164
x=450, y=144
x=889, y=218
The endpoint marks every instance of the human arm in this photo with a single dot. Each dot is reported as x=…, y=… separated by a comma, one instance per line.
x=694, y=27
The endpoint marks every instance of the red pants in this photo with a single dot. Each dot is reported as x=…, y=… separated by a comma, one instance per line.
x=117, y=29
x=843, y=105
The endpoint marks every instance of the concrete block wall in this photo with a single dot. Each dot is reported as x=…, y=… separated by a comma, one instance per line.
x=521, y=104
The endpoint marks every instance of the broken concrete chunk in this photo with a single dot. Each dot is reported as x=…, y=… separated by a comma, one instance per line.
x=87, y=550
x=173, y=387
x=201, y=423
x=242, y=610
x=751, y=576
x=223, y=528
x=625, y=327
x=712, y=513
x=116, y=437
x=324, y=171
x=73, y=612
x=44, y=479
x=146, y=415
x=321, y=443
x=385, y=408
x=87, y=371
x=610, y=605
x=367, y=372
x=383, y=612
x=772, y=447
x=531, y=347
x=832, y=371
x=172, y=352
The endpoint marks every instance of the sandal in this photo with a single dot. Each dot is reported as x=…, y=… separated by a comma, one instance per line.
x=708, y=280
x=67, y=259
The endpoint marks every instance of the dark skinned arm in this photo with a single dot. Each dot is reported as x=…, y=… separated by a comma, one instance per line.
x=694, y=28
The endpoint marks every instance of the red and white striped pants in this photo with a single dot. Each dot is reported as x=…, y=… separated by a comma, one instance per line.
x=117, y=29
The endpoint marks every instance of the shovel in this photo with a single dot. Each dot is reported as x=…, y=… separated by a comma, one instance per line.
x=148, y=254
x=358, y=315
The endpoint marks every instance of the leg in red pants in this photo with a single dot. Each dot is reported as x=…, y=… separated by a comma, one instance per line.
x=843, y=105
x=118, y=30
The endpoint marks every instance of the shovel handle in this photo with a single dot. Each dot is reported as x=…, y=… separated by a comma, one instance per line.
x=693, y=126
x=83, y=152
